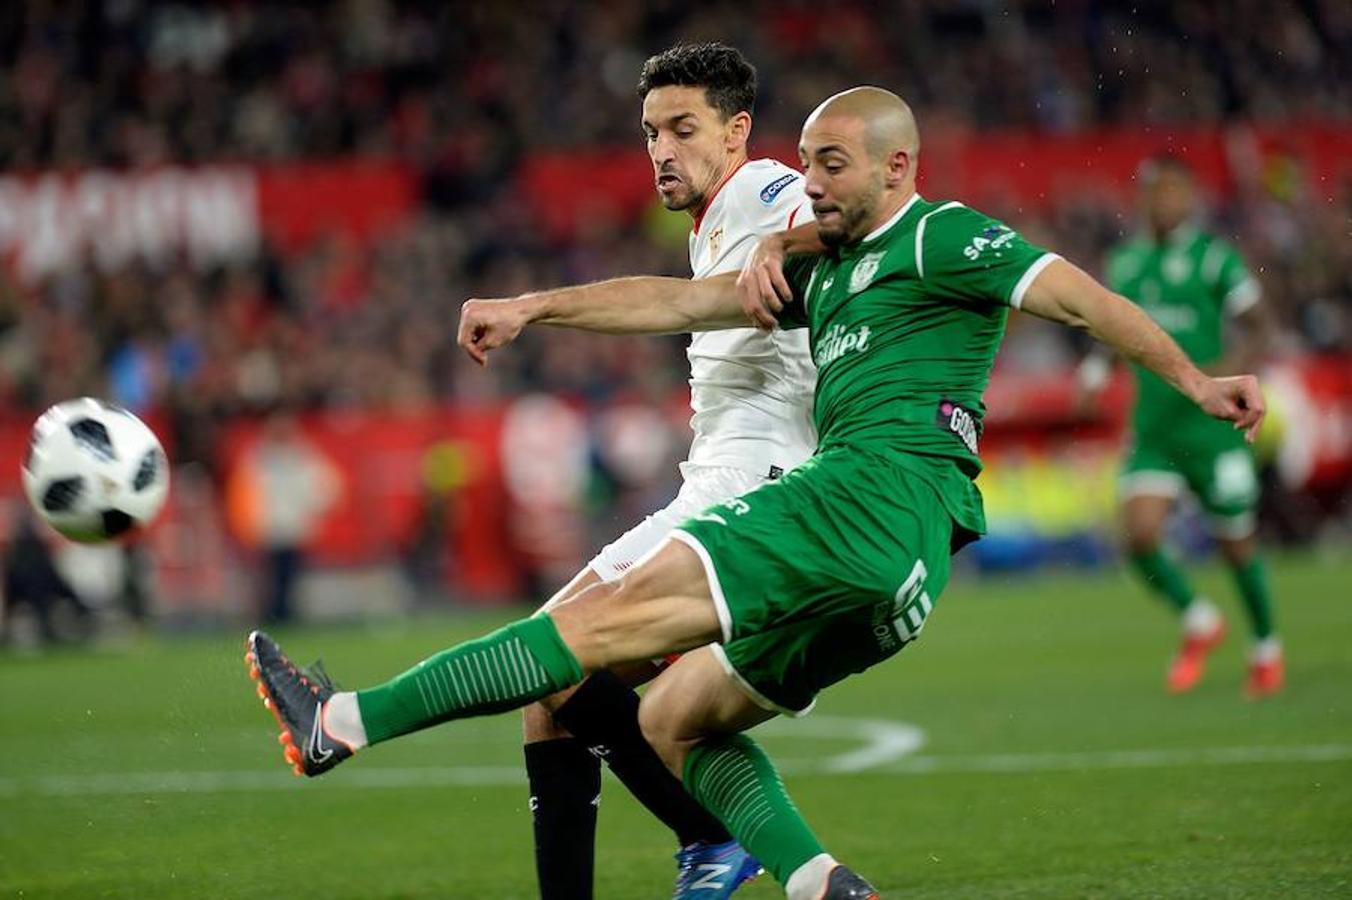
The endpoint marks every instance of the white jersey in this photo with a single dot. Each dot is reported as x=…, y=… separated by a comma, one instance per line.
x=750, y=390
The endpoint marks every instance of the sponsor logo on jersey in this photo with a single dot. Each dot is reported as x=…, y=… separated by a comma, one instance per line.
x=1177, y=268
x=954, y=418
x=838, y=342
x=993, y=237
x=865, y=270
x=771, y=190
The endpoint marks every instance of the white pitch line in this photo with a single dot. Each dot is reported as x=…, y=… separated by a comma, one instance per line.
x=885, y=761
x=883, y=741
x=1119, y=759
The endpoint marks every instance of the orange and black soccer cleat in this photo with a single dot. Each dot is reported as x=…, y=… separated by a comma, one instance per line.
x=1266, y=677
x=842, y=884
x=1186, y=669
x=296, y=699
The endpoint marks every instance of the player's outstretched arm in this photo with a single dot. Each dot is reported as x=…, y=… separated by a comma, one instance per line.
x=763, y=289
x=1064, y=293
x=640, y=305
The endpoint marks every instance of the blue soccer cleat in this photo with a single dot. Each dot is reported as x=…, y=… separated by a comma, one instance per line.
x=712, y=871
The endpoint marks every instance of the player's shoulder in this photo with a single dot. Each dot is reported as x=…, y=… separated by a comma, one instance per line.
x=944, y=222
x=1132, y=247
x=765, y=182
x=1125, y=259
x=1211, y=243
x=1219, y=260
x=951, y=215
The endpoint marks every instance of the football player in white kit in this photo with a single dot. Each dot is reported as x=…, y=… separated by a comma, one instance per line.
x=751, y=394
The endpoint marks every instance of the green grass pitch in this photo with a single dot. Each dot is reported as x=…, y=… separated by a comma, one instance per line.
x=1052, y=765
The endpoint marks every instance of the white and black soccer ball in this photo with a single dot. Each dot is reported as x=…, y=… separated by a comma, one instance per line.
x=94, y=471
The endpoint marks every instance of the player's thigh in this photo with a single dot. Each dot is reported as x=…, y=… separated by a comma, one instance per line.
x=835, y=537
x=782, y=670
x=1143, y=519
x=663, y=605
x=692, y=700
x=838, y=580
x=579, y=583
x=1148, y=487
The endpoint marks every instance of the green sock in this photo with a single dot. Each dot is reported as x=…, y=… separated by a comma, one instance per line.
x=1164, y=577
x=734, y=779
x=514, y=665
x=1251, y=579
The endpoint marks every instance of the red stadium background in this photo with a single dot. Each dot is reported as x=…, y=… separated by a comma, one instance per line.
x=219, y=213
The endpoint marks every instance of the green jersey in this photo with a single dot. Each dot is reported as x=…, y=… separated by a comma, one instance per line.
x=1188, y=284
x=904, y=327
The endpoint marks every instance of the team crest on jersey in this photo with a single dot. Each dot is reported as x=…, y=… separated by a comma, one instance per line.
x=864, y=270
x=1177, y=268
x=771, y=190
x=715, y=241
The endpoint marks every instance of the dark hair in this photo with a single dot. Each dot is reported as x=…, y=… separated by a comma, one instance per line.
x=729, y=81
x=1165, y=161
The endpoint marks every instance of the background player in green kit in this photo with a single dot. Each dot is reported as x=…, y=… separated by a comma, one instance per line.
x=814, y=576
x=1193, y=285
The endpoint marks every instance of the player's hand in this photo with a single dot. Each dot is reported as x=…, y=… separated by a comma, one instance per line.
x=761, y=286
x=489, y=324
x=1237, y=399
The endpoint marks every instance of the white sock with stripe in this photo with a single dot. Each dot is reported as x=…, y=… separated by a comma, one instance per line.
x=1201, y=618
x=808, y=881
x=1267, y=650
x=342, y=720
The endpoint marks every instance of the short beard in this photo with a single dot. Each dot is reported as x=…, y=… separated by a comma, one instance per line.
x=832, y=239
x=672, y=204
x=853, y=219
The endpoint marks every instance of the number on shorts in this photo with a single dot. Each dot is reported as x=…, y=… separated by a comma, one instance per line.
x=912, y=604
x=1234, y=480
x=738, y=506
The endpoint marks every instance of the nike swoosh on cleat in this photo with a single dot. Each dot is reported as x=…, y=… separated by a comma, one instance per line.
x=316, y=750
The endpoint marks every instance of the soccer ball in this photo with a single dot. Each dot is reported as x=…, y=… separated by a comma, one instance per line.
x=94, y=471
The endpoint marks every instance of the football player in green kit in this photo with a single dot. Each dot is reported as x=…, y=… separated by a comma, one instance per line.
x=1193, y=284
x=815, y=576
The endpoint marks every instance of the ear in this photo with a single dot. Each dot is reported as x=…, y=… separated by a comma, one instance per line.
x=737, y=131
x=897, y=166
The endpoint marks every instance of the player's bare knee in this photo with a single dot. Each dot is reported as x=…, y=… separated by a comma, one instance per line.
x=1237, y=552
x=552, y=703
x=1140, y=535
x=1142, y=541
x=537, y=724
x=596, y=624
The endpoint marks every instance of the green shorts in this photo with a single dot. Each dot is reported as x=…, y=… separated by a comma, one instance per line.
x=1219, y=469
x=822, y=574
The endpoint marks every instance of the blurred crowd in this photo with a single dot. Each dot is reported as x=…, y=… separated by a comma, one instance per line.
x=468, y=86
x=462, y=91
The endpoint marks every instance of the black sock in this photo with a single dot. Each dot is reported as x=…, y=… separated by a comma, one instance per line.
x=565, y=788
x=603, y=714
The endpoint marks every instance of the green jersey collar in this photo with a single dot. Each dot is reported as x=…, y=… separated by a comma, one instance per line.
x=896, y=217
x=1182, y=235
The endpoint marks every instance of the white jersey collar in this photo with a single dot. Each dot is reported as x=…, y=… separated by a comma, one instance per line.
x=896, y=217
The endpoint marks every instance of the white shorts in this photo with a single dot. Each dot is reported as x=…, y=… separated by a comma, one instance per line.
x=701, y=487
